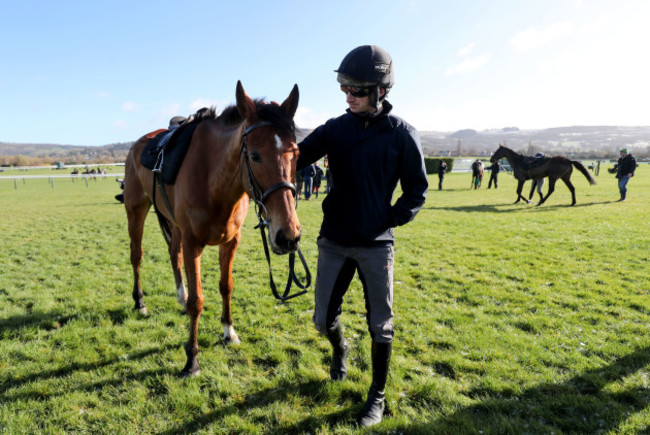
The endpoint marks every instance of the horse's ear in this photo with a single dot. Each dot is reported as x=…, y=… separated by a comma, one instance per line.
x=290, y=105
x=245, y=105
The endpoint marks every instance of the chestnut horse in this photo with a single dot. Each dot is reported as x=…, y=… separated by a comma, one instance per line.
x=477, y=174
x=554, y=168
x=248, y=151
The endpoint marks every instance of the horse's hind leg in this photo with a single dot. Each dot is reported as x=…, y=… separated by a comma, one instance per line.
x=226, y=258
x=568, y=183
x=551, y=188
x=136, y=217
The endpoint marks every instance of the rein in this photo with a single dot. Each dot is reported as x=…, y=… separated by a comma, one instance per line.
x=259, y=197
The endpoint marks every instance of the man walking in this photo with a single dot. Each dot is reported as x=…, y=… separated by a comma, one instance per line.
x=625, y=170
x=369, y=151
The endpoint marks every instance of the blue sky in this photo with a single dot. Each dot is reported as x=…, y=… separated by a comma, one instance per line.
x=99, y=72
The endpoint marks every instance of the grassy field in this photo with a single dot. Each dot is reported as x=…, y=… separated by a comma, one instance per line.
x=509, y=319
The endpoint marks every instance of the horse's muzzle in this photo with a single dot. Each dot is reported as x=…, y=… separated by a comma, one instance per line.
x=284, y=245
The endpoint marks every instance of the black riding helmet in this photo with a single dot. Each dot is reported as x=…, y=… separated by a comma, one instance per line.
x=369, y=66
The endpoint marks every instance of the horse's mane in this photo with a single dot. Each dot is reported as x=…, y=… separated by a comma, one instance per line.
x=204, y=113
x=271, y=112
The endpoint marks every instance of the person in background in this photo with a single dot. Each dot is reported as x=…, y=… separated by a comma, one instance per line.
x=369, y=151
x=442, y=169
x=624, y=171
x=537, y=183
x=308, y=174
x=494, y=174
x=318, y=177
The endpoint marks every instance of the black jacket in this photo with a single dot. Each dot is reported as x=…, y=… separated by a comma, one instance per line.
x=626, y=165
x=367, y=157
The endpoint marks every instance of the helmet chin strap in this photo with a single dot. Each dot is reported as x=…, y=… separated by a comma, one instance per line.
x=375, y=98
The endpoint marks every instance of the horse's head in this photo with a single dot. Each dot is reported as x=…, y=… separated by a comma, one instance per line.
x=271, y=153
x=498, y=154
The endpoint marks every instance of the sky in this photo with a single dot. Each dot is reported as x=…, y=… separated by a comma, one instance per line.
x=80, y=72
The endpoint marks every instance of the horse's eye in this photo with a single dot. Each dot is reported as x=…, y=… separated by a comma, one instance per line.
x=256, y=157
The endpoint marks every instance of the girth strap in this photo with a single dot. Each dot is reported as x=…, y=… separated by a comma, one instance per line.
x=157, y=180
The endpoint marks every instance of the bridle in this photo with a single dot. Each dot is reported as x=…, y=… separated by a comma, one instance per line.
x=259, y=196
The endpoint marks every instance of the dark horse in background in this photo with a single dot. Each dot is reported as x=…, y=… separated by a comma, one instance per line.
x=554, y=168
x=250, y=143
x=477, y=174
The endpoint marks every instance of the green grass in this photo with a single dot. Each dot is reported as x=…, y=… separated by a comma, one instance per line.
x=509, y=319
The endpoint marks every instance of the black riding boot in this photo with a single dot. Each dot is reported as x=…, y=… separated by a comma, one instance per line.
x=340, y=347
x=373, y=411
x=622, y=197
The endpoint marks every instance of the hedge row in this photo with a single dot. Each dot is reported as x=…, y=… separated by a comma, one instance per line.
x=432, y=164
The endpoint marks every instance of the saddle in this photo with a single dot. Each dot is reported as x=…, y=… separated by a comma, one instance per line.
x=165, y=152
x=530, y=163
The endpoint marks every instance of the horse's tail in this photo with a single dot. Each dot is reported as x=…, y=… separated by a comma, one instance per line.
x=165, y=227
x=580, y=167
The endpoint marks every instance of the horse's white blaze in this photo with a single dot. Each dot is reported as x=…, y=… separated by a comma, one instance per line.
x=229, y=334
x=278, y=142
x=181, y=295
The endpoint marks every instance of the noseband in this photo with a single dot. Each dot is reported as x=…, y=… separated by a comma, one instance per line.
x=259, y=196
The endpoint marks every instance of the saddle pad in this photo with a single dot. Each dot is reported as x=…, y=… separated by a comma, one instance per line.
x=174, y=150
x=530, y=163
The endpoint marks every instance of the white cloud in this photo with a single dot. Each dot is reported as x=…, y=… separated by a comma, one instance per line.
x=469, y=65
x=466, y=49
x=130, y=106
x=307, y=118
x=533, y=37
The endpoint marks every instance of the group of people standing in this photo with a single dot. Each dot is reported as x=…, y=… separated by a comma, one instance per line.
x=624, y=169
x=310, y=179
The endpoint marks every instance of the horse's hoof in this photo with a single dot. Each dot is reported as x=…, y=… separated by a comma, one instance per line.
x=231, y=340
x=190, y=373
x=190, y=369
x=143, y=311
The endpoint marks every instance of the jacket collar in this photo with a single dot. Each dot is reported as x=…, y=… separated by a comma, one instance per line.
x=373, y=118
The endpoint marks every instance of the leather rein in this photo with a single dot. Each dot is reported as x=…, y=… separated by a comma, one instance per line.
x=259, y=196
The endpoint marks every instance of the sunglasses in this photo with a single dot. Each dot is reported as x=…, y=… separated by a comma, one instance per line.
x=356, y=91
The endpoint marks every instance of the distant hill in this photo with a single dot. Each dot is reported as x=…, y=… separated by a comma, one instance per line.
x=577, y=141
x=20, y=154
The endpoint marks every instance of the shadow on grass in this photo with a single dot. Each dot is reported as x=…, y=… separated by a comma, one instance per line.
x=581, y=404
x=578, y=405
x=512, y=207
x=314, y=390
x=12, y=326
x=71, y=368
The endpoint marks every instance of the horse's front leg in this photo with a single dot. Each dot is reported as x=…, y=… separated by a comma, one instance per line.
x=176, y=257
x=192, y=255
x=520, y=186
x=226, y=258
